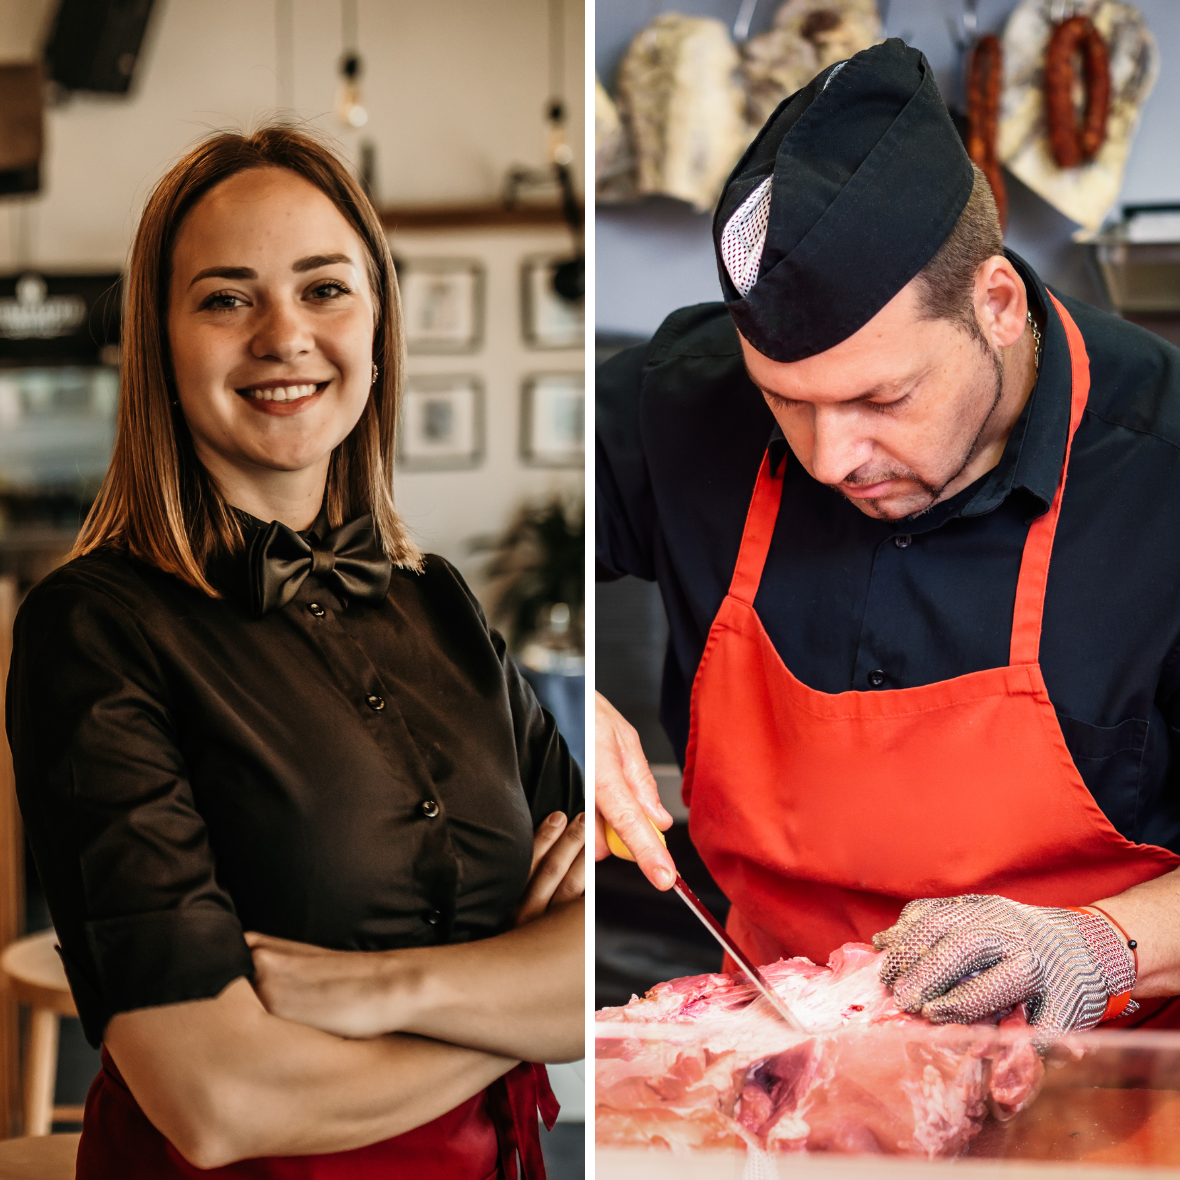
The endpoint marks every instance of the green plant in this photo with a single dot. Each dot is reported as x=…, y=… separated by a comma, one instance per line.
x=538, y=561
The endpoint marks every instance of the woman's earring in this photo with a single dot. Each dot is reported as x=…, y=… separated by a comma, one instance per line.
x=375, y=371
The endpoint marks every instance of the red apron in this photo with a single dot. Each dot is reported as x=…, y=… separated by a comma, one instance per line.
x=478, y=1140
x=821, y=815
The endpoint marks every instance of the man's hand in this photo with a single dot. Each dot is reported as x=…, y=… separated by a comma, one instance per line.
x=960, y=959
x=558, y=874
x=625, y=796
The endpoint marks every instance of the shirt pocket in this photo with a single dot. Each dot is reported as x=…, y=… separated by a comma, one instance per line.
x=1110, y=760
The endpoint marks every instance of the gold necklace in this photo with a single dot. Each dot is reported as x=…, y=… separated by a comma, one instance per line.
x=1036, y=341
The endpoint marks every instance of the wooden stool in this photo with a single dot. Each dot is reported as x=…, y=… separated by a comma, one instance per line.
x=51, y=1157
x=37, y=978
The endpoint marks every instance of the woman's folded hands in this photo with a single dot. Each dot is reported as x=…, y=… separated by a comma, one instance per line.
x=519, y=993
x=558, y=873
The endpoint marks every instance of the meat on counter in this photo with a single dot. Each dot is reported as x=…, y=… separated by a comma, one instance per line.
x=705, y=1062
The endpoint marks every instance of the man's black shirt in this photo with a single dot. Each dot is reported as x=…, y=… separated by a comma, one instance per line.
x=851, y=602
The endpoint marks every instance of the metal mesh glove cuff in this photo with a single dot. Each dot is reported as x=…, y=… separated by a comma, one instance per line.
x=966, y=958
x=1110, y=953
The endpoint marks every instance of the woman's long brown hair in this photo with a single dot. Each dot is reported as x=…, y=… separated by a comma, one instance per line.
x=158, y=502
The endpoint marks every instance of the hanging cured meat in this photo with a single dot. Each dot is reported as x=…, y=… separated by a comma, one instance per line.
x=984, y=78
x=614, y=170
x=807, y=36
x=1071, y=142
x=1086, y=194
x=679, y=98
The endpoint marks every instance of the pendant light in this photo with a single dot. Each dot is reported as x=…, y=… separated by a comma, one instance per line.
x=350, y=109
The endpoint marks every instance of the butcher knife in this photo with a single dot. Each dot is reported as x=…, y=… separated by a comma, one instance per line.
x=715, y=928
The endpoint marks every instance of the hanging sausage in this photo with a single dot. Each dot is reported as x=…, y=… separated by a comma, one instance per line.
x=984, y=77
x=1073, y=143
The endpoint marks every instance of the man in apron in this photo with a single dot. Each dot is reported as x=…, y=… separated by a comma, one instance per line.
x=925, y=612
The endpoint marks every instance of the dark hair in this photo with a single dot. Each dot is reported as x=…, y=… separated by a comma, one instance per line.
x=946, y=284
x=157, y=501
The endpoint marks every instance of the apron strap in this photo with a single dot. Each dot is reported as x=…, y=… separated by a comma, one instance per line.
x=1038, y=546
x=513, y=1102
x=760, y=521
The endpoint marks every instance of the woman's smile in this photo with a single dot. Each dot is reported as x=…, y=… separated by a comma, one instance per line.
x=283, y=398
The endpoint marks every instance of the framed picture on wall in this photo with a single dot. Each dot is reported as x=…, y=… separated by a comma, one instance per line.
x=552, y=420
x=549, y=320
x=442, y=304
x=442, y=424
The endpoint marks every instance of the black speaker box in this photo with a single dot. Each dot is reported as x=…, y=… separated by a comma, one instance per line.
x=20, y=127
x=95, y=44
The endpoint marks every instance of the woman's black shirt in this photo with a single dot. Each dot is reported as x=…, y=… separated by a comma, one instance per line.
x=354, y=776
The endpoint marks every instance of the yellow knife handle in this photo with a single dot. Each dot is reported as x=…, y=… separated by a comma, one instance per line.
x=620, y=849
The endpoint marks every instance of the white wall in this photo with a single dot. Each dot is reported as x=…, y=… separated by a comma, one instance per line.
x=448, y=508
x=455, y=90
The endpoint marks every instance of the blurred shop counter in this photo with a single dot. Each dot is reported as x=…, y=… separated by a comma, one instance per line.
x=30, y=551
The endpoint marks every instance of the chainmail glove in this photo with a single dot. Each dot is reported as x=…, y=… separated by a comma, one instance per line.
x=960, y=959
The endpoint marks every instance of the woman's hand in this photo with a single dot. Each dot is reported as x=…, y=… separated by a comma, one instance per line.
x=558, y=873
x=350, y=993
x=519, y=994
x=363, y=994
x=626, y=796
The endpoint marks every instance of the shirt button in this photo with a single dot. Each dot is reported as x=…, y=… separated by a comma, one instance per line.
x=432, y=917
x=429, y=808
x=316, y=609
x=375, y=703
x=903, y=542
x=876, y=678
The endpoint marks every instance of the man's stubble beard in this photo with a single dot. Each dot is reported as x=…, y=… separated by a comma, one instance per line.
x=976, y=445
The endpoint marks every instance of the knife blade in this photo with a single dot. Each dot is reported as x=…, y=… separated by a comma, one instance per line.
x=715, y=928
x=755, y=976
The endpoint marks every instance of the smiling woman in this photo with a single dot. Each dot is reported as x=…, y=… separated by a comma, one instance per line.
x=226, y=299
x=273, y=359
x=311, y=847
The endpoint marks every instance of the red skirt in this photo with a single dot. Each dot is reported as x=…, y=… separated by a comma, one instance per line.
x=478, y=1140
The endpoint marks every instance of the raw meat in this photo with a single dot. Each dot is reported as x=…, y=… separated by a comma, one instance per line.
x=704, y=1062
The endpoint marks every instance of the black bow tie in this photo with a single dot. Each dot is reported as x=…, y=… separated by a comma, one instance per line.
x=349, y=558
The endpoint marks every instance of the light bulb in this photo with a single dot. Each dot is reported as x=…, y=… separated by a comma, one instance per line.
x=349, y=108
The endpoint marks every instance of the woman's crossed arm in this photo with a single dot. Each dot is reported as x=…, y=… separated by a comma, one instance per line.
x=520, y=994
x=224, y=1080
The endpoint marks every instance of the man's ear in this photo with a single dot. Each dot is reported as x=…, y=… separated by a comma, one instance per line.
x=1001, y=302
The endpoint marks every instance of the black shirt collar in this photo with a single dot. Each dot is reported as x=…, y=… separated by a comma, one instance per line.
x=1032, y=458
x=318, y=530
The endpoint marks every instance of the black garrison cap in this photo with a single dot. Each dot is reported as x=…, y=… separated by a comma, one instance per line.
x=867, y=177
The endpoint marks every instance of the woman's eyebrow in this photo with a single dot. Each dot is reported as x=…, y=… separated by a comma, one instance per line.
x=224, y=272
x=315, y=261
x=311, y=262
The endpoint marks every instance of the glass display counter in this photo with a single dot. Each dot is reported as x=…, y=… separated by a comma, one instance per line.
x=1104, y=1104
